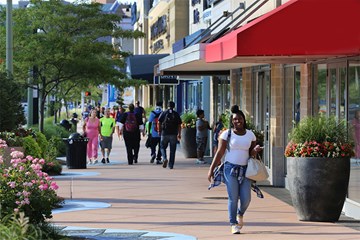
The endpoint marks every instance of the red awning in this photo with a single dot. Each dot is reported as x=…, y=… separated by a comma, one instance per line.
x=297, y=31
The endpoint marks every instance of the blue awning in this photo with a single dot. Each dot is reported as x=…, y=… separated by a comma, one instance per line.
x=142, y=66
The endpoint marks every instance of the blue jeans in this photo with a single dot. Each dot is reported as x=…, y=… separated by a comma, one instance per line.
x=237, y=191
x=165, y=140
x=155, y=141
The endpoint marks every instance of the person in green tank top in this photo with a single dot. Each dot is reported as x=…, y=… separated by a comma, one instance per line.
x=107, y=129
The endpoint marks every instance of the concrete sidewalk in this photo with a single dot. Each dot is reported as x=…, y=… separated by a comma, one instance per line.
x=146, y=201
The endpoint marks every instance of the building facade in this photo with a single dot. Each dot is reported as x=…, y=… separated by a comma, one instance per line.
x=279, y=61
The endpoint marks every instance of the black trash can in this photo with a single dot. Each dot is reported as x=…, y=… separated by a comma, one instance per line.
x=76, y=151
x=65, y=124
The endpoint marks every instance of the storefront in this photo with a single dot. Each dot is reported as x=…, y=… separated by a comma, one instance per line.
x=312, y=69
x=289, y=63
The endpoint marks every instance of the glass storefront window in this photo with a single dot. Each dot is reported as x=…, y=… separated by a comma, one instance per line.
x=321, y=89
x=354, y=120
x=221, y=95
x=193, y=93
x=292, y=100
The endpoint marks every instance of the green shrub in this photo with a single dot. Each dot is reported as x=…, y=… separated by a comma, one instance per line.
x=188, y=120
x=320, y=136
x=58, y=132
x=17, y=227
x=52, y=166
x=42, y=142
x=31, y=147
x=320, y=128
x=11, y=110
x=55, y=130
x=24, y=187
x=11, y=139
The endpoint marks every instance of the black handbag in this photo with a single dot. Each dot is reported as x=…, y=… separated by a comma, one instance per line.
x=148, y=141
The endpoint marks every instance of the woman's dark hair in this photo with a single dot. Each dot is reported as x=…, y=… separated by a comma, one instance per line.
x=235, y=110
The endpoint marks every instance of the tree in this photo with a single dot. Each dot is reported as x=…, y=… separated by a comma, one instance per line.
x=11, y=111
x=65, y=45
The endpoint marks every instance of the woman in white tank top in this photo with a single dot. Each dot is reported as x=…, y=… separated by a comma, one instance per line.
x=239, y=144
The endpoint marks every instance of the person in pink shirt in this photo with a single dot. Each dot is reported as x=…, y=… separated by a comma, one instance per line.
x=91, y=129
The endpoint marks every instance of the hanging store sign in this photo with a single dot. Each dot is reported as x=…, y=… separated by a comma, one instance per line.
x=166, y=80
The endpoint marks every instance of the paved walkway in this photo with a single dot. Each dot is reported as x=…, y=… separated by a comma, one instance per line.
x=146, y=201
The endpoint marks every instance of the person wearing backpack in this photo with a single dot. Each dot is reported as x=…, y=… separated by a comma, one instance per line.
x=154, y=132
x=131, y=125
x=170, y=128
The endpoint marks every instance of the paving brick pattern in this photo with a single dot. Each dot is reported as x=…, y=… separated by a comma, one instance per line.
x=147, y=201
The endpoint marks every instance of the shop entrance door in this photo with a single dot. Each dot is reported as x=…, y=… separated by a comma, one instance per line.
x=262, y=109
x=336, y=90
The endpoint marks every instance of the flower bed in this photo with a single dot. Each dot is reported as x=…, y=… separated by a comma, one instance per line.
x=24, y=187
x=316, y=149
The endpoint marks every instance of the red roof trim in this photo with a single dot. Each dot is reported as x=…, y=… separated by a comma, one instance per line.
x=306, y=28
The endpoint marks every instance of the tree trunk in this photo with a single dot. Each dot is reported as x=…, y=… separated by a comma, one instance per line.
x=42, y=111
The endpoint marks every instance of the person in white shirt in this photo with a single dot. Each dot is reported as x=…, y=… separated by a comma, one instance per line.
x=239, y=144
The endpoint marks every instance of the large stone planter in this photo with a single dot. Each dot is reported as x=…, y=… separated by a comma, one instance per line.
x=318, y=187
x=188, y=142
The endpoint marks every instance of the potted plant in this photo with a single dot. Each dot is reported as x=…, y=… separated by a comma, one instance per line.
x=318, y=167
x=188, y=134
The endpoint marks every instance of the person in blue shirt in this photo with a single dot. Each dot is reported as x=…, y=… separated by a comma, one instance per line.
x=155, y=136
x=118, y=117
x=140, y=110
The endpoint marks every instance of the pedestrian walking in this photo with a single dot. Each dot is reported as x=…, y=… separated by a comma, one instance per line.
x=170, y=127
x=155, y=134
x=85, y=114
x=239, y=144
x=118, y=117
x=202, y=127
x=107, y=128
x=113, y=112
x=140, y=110
x=91, y=130
x=218, y=126
x=132, y=126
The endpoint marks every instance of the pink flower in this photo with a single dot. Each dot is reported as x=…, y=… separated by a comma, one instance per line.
x=12, y=184
x=54, y=186
x=16, y=154
x=26, y=201
x=43, y=187
x=25, y=193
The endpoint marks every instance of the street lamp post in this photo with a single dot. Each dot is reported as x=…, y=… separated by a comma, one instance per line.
x=30, y=101
x=9, y=38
